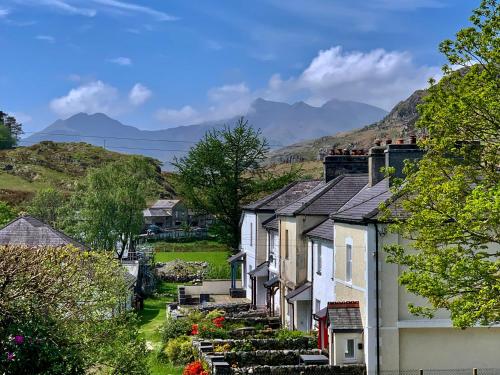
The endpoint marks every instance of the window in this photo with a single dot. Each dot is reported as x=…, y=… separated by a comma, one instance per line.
x=251, y=234
x=349, y=349
x=348, y=262
x=318, y=260
x=317, y=304
x=287, y=244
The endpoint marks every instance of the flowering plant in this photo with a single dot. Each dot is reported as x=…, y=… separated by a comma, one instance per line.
x=194, y=368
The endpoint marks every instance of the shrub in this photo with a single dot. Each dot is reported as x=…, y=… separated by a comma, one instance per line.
x=173, y=328
x=287, y=334
x=179, y=351
x=215, y=314
x=221, y=348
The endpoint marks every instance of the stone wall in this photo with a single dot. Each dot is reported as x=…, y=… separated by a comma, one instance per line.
x=300, y=370
x=271, y=344
x=269, y=357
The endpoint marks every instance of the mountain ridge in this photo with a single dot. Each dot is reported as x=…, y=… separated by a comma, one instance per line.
x=281, y=124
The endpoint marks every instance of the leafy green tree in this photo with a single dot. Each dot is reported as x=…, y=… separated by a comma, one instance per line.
x=452, y=197
x=6, y=213
x=61, y=312
x=46, y=205
x=10, y=131
x=224, y=171
x=6, y=139
x=110, y=201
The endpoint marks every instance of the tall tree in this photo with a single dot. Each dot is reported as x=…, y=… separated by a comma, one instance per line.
x=46, y=205
x=110, y=202
x=452, y=197
x=222, y=172
x=10, y=131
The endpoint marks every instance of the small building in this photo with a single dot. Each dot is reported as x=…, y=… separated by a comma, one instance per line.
x=166, y=214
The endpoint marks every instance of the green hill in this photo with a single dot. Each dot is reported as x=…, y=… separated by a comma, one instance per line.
x=25, y=170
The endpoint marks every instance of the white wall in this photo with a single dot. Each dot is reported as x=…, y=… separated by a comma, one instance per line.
x=248, y=242
x=273, y=249
x=323, y=283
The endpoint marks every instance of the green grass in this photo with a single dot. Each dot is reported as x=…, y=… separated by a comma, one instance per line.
x=152, y=318
x=204, y=245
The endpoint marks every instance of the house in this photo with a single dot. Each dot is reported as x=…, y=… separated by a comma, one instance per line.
x=253, y=256
x=295, y=220
x=31, y=232
x=369, y=321
x=166, y=213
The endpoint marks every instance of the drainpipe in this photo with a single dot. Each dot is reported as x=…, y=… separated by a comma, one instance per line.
x=312, y=284
x=377, y=298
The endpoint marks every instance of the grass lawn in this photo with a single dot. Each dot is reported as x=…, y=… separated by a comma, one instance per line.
x=152, y=318
x=219, y=267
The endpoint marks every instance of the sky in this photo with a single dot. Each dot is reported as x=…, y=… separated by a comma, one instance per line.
x=162, y=63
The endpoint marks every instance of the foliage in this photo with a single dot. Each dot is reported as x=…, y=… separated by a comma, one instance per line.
x=179, y=351
x=110, y=201
x=66, y=302
x=6, y=139
x=452, y=198
x=6, y=213
x=14, y=128
x=195, y=368
x=46, y=205
x=222, y=348
x=287, y=334
x=173, y=328
x=222, y=172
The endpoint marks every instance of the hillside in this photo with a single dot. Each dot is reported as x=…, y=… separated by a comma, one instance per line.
x=398, y=123
x=25, y=170
x=280, y=123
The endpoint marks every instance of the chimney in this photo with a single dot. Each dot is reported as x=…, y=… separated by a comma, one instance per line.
x=396, y=154
x=344, y=161
x=376, y=161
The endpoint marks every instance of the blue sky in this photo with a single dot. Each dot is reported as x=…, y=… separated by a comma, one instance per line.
x=157, y=64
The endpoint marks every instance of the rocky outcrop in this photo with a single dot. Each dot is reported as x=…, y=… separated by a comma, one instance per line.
x=181, y=271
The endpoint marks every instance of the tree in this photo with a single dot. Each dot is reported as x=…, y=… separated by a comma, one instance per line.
x=10, y=131
x=452, y=197
x=6, y=213
x=222, y=172
x=46, y=205
x=60, y=312
x=110, y=201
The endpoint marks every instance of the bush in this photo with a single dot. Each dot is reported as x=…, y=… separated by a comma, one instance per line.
x=287, y=334
x=179, y=351
x=194, y=368
x=173, y=328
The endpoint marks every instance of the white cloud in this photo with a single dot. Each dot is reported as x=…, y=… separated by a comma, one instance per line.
x=4, y=12
x=184, y=116
x=159, y=15
x=66, y=7
x=139, y=94
x=123, y=61
x=46, y=38
x=378, y=77
x=22, y=117
x=97, y=96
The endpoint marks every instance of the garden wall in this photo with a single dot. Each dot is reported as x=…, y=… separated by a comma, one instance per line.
x=269, y=357
x=302, y=370
x=269, y=344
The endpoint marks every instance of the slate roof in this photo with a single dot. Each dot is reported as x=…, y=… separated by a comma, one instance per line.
x=272, y=223
x=29, y=231
x=156, y=212
x=301, y=289
x=326, y=198
x=260, y=270
x=324, y=230
x=284, y=196
x=237, y=257
x=365, y=203
x=273, y=281
x=344, y=317
x=165, y=203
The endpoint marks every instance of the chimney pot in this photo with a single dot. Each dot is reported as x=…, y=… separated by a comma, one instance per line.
x=346, y=151
x=388, y=141
x=413, y=139
x=378, y=142
x=400, y=141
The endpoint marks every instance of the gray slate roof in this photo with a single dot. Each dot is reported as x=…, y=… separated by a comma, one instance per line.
x=272, y=223
x=156, y=212
x=29, y=231
x=165, y=203
x=301, y=289
x=284, y=196
x=324, y=230
x=345, y=319
x=326, y=198
x=363, y=204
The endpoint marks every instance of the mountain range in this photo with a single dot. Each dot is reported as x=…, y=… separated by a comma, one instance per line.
x=282, y=124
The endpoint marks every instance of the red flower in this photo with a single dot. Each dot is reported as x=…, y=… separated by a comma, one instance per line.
x=194, y=329
x=218, y=321
x=194, y=368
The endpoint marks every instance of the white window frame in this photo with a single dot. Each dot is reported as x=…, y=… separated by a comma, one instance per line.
x=348, y=260
x=353, y=358
x=319, y=259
